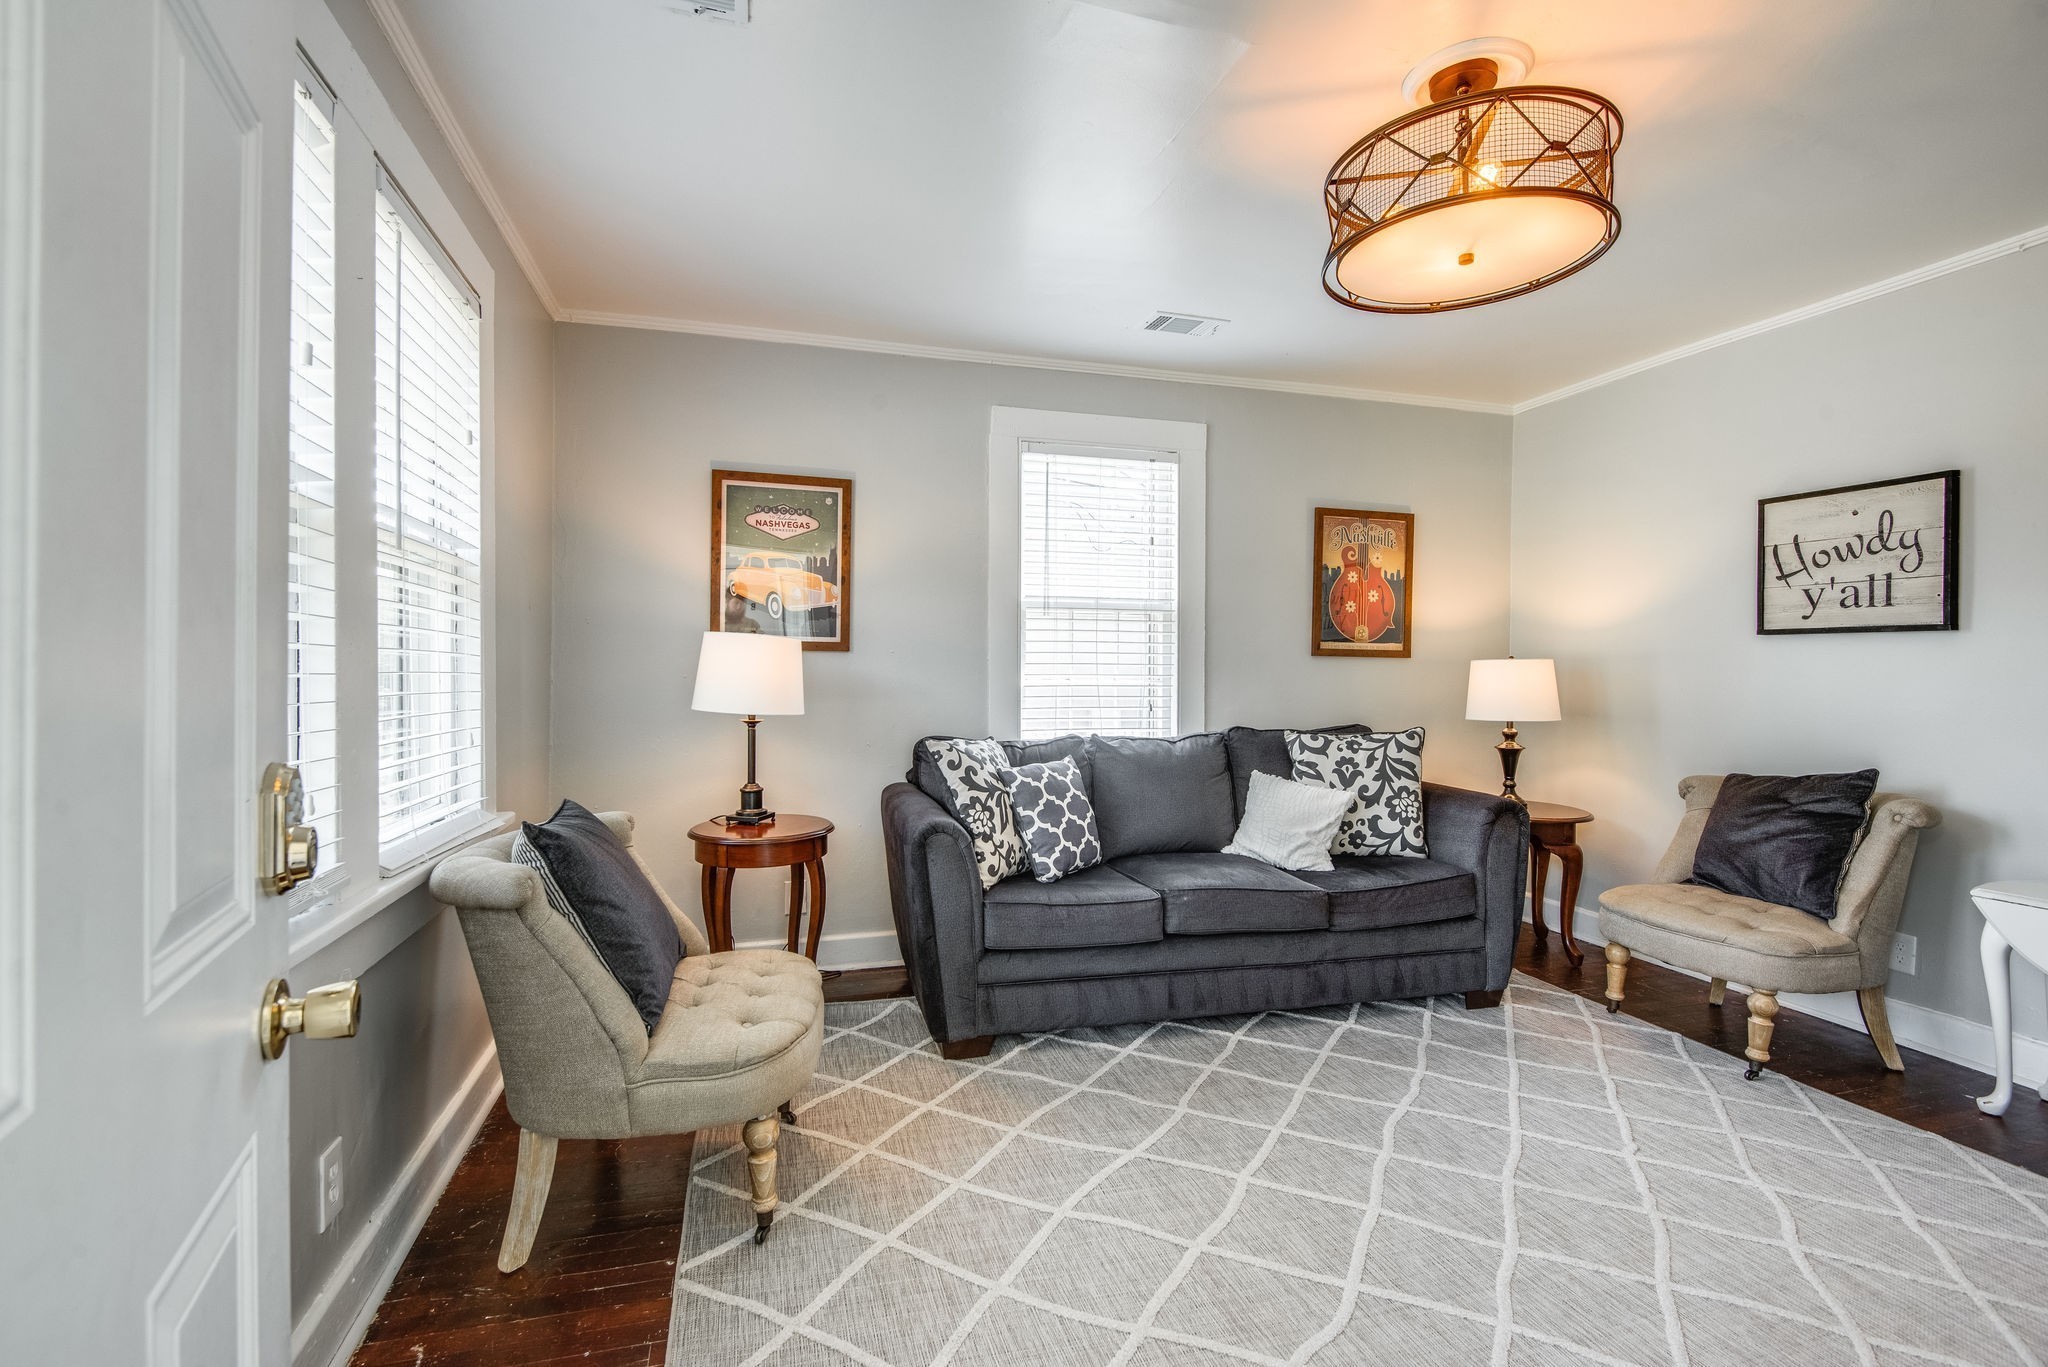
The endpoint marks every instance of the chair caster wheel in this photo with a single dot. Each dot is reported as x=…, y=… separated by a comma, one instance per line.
x=761, y=1229
x=1753, y=1072
x=1614, y=1008
x=787, y=1112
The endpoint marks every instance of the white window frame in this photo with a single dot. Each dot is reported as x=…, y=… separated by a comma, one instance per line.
x=366, y=130
x=1186, y=444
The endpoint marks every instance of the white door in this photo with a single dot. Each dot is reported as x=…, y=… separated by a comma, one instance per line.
x=144, y=202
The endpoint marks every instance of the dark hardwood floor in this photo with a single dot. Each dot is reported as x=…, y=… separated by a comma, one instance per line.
x=596, y=1290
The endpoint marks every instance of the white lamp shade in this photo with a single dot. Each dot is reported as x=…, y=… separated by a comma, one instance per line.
x=749, y=674
x=1512, y=690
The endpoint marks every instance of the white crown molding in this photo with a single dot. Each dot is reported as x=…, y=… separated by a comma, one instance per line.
x=742, y=332
x=414, y=61
x=2019, y=242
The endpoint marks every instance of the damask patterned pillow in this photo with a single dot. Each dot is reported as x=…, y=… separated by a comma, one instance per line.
x=972, y=771
x=1055, y=818
x=1383, y=773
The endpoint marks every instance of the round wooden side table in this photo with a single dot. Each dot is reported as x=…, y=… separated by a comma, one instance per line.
x=1554, y=830
x=790, y=841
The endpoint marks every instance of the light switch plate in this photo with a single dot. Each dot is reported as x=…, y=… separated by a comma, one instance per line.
x=330, y=1184
x=1905, y=953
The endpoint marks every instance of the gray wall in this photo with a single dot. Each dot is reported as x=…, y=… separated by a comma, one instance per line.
x=643, y=417
x=1634, y=565
x=423, y=1022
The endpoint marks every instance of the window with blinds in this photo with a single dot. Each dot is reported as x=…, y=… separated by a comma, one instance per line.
x=310, y=721
x=1099, y=591
x=430, y=695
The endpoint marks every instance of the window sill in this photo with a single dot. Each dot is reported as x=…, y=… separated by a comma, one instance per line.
x=325, y=922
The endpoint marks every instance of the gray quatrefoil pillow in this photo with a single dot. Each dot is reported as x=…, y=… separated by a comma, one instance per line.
x=1383, y=772
x=1055, y=818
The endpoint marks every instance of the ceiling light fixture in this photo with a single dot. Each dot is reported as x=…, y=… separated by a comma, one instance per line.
x=1491, y=190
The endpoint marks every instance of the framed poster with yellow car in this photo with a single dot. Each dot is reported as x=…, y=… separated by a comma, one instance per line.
x=1363, y=584
x=782, y=556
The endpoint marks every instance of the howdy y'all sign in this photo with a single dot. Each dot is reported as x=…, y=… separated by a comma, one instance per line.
x=1871, y=557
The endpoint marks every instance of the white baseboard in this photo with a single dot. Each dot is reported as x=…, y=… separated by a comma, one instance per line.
x=334, y=1324
x=1933, y=1032
x=855, y=949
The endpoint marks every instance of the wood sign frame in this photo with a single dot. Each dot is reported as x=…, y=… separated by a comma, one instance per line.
x=1883, y=556
x=1378, y=551
x=782, y=562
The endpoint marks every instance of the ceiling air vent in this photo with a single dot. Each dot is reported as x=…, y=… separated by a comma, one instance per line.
x=1185, y=324
x=726, y=11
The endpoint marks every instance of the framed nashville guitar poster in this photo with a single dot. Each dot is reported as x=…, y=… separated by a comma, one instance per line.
x=1364, y=584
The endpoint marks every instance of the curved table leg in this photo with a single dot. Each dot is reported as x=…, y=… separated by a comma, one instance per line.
x=816, y=868
x=796, y=903
x=721, y=910
x=1574, y=861
x=1539, y=874
x=1997, y=955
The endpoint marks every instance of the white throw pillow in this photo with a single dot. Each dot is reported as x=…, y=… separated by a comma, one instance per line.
x=1383, y=773
x=1289, y=825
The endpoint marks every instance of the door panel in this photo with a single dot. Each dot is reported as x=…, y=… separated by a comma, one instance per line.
x=144, y=255
x=205, y=177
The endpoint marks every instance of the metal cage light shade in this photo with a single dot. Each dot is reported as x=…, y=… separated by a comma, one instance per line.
x=1476, y=198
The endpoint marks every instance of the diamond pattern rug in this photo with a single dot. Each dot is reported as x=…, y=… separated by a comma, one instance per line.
x=1403, y=1183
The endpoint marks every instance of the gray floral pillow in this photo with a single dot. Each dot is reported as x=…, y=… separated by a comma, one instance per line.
x=1383, y=772
x=979, y=800
x=1055, y=818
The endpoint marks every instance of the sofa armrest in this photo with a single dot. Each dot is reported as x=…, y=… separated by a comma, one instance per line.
x=935, y=894
x=1487, y=836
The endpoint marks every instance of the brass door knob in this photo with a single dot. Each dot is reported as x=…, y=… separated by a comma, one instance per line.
x=329, y=1012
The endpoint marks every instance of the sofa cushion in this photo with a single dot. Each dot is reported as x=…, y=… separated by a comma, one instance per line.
x=1155, y=796
x=1097, y=906
x=1289, y=825
x=1758, y=944
x=1255, y=750
x=1222, y=894
x=1022, y=752
x=925, y=773
x=1391, y=890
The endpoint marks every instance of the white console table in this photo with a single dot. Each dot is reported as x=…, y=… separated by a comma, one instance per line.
x=2015, y=918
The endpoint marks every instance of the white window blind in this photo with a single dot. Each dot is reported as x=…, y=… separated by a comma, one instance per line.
x=430, y=698
x=1100, y=587
x=310, y=722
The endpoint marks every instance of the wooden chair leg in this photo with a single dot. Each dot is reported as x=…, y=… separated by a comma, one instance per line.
x=759, y=1136
x=1871, y=999
x=530, y=1182
x=1763, y=1015
x=1617, y=974
x=1717, y=991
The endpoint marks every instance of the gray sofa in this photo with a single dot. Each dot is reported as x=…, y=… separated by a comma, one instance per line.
x=1167, y=927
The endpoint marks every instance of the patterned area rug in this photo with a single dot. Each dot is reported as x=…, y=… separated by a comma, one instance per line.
x=1408, y=1183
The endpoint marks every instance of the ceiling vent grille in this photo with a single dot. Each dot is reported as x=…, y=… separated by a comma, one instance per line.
x=1185, y=324
x=725, y=11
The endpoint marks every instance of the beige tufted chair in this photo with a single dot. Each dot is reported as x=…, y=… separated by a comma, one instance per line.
x=738, y=1038
x=1768, y=948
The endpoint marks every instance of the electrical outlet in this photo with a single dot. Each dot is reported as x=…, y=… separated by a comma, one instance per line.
x=1905, y=953
x=330, y=1185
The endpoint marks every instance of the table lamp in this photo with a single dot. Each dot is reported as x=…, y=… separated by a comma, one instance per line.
x=1508, y=691
x=754, y=676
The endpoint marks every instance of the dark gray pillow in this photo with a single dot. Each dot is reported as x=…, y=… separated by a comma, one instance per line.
x=1156, y=796
x=1055, y=818
x=1784, y=840
x=1254, y=750
x=612, y=903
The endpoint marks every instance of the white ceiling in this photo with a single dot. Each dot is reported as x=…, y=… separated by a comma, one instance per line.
x=1038, y=176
